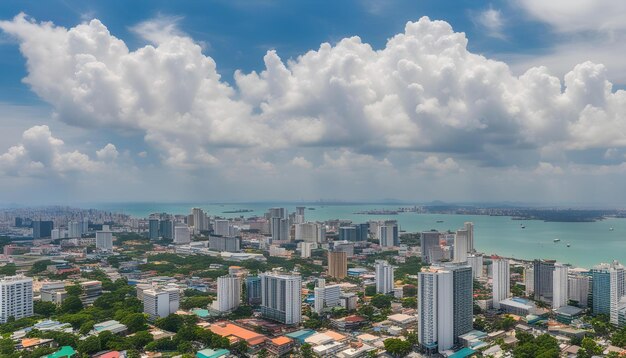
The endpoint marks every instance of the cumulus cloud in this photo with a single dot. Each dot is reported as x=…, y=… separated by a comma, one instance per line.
x=39, y=154
x=434, y=164
x=544, y=168
x=302, y=162
x=491, y=20
x=108, y=153
x=424, y=92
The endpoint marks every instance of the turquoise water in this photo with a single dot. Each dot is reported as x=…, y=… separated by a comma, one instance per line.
x=591, y=243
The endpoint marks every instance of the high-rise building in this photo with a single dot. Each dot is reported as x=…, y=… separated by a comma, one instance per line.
x=181, y=235
x=469, y=227
x=326, y=297
x=501, y=281
x=85, y=225
x=607, y=282
x=578, y=288
x=16, y=297
x=55, y=234
x=388, y=234
x=299, y=214
x=310, y=232
x=221, y=227
x=104, y=241
x=306, y=248
x=225, y=243
x=337, y=264
x=347, y=233
x=445, y=305
x=74, y=229
x=253, y=290
x=280, y=229
x=529, y=280
x=476, y=262
x=228, y=293
x=559, y=286
x=42, y=229
x=281, y=297
x=277, y=213
x=153, y=229
x=200, y=220
x=543, y=280
x=166, y=229
x=428, y=240
x=160, y=302
x=461, y=246
x=384, y=277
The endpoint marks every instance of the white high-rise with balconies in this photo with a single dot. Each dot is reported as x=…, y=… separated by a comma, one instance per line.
x=281, y=297
x=384, y=277
x=501, y=284
x=228, y=293
x=469, y=227
x=16, y=297
x=104, y=241
x=460, y=246
x=559, y=286
x=160, y=302
x=476, y=262
x=181, y=234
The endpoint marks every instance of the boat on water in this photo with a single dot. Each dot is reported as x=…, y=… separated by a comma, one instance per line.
x=439, y=221
x=611, y=229
x=557, y=240
x=568, y=245
x=523, y=226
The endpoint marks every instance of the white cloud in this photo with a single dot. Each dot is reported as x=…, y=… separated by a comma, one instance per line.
x=302, y=162
x=41, y=154
x=424, y=92
x=491, y=20
x=159, y=29
x=434, y=164
x=108, y=153
x=544, y=168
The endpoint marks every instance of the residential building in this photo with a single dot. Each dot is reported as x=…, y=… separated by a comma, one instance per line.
x=326, y=296
x=253, y=290
x=310, y=232
x=182, y=235
x=228, y=293
x=469, y=228
x=543, y=280
x=337, y=264
x=529, y=280
x=607, y=289
x=306, y=248
x=476, y=263
x=388, y=234
x=42, y=229
x=578, y=289
x=559, y=286
x=280, y=229
x=384, y=277
x=225, y=243
x=160, y=302
x=501, y=286
x=16, y=297
x=104, y=241
x=281, y=297
x=461, y=246
x=221, y=227
x=153, y=229
x=200, y=220
x=428, y=241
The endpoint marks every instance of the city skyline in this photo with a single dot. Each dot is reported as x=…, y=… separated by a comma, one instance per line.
x=489, y=102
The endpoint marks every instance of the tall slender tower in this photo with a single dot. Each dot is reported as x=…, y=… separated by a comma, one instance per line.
x=501, y=281
x=384, y=277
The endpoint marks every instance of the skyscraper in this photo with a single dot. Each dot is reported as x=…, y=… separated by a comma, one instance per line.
x=221, y=227
x=166, y=229
x=160, y=302
x=228, y=293
x=476, y=262
x=221, y=243
x=543, y=280
x=16, y=297
x=42, y=229
x=253, y=290
x=559, y=286
x=469, y=227
x=280, y=229
x=200, y=220
x=347, y=233
x=281, y=297
x=501, y=286
x=74, y=229
x=578, y=288
x=529, y=280
x=306, y=248
x=104, y=241
x=428, y=240
x=326, y=296
x=607, y=289
x=445, y=305
x=299, y=214
x=388, y=234
x=310, y=232
x=337, y=264
x=460, y=246
x=153, y=229
x=181, y=235
x=384, y=277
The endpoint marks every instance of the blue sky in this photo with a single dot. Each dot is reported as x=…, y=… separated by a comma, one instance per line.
x=506, y=100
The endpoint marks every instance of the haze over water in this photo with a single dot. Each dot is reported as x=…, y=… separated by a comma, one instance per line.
x=590, y=243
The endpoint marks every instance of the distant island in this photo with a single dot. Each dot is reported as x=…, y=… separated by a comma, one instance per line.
x=237, y=211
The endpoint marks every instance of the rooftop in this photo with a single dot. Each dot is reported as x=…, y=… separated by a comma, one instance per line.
x=226, y=329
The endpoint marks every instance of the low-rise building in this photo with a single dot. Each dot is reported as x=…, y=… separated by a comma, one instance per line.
x=279, y=346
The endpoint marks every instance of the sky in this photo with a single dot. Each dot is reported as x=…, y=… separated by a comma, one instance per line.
x=233, y=100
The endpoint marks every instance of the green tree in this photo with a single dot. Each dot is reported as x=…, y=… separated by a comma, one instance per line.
x=370, y=290
x=409, y=302
x=71, y=304
x=262, y=353
x=588, y=348
x=240, y=349
x=44, y=308
x=140, y=339
x=135, y=322
x=90, y=345
x=74, y=290
x=306, y=351
x=619, y=338
x=381, y=301
x=397, y=347
x=86, y=327
x=171, y=323
x=7, y=346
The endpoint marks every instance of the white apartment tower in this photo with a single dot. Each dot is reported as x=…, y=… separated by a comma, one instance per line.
x=384, y=277
x=501, y=285
x=104, y=241
x=461, y=246
x=182, y=235
x=228, y=293
x=281, y=297
x=476, y=262
x=159, y=303
x=469, y=227
x=559, y=286
x=16, y=297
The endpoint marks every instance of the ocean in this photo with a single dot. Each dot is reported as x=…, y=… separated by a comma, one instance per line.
x=590, y=242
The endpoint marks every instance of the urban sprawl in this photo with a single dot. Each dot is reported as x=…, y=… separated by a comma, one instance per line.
x=90, y=283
